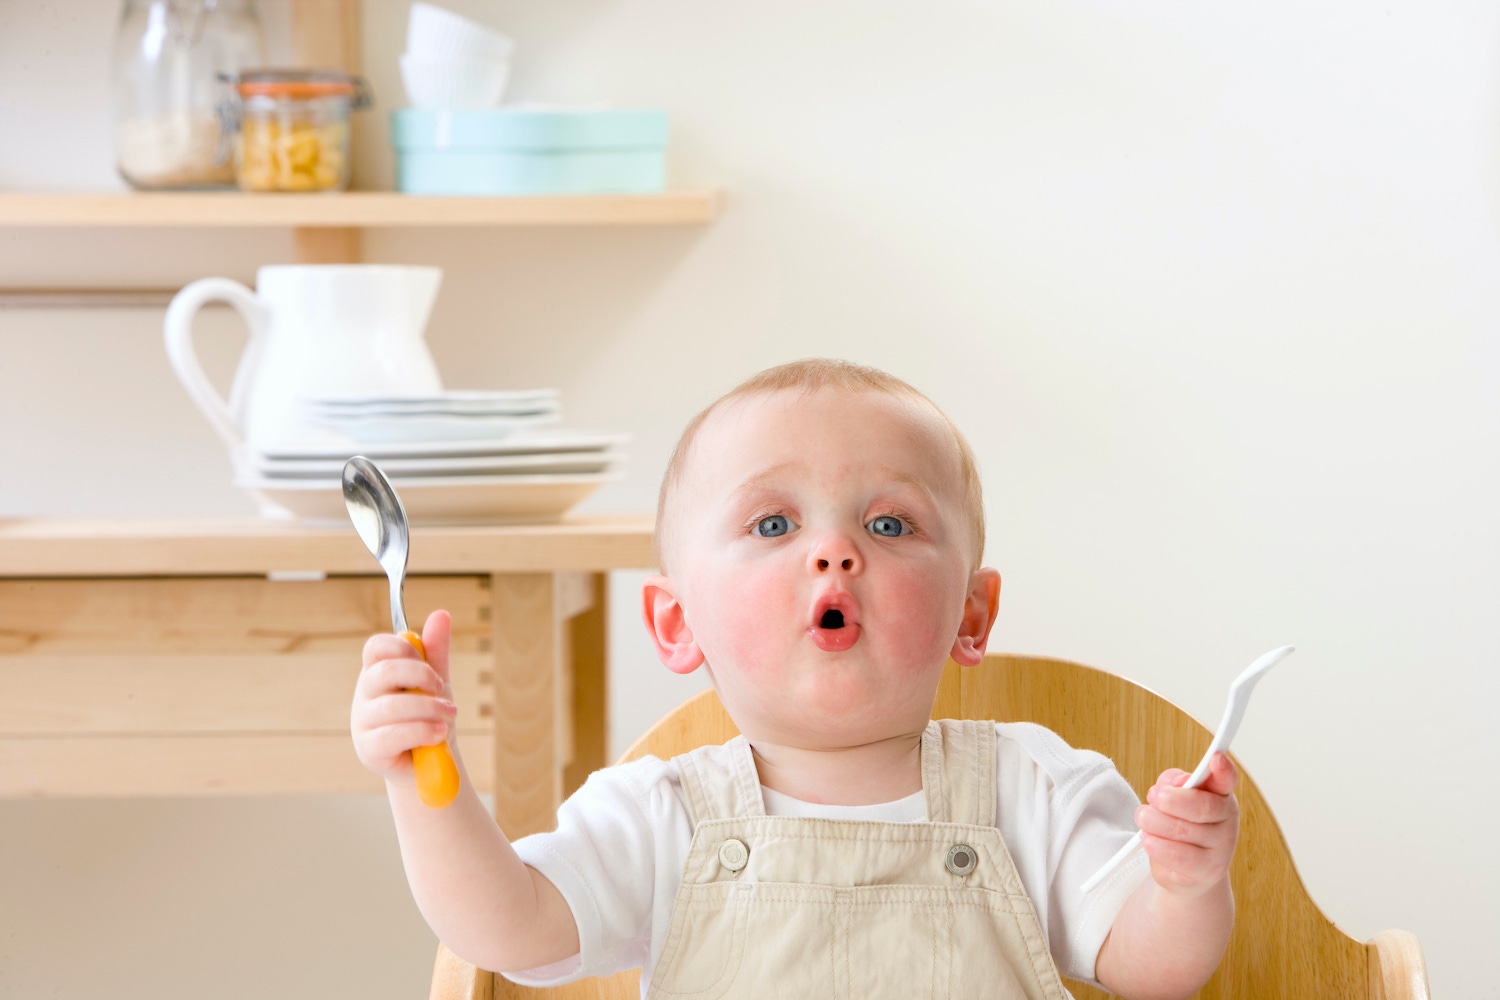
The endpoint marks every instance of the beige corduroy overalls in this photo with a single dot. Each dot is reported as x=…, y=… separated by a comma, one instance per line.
x=779, y=906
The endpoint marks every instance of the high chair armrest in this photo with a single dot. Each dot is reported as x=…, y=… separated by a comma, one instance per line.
x=1397, y=969
x=455, y=979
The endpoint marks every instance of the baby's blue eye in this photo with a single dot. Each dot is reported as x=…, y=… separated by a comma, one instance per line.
x=888, y=526
x=771, y=527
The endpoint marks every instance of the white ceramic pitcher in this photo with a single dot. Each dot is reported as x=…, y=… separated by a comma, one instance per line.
x=316, y=330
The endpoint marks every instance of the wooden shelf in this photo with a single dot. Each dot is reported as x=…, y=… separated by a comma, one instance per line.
x=352, y=210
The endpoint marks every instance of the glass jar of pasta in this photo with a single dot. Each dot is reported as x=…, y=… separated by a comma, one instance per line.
x=293, y=128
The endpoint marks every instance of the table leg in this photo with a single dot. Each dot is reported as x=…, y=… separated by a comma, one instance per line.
x=588, y=632
x=529, y=658
x=550, y=697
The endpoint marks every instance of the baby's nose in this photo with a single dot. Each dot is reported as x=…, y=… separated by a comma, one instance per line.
x=835, y=552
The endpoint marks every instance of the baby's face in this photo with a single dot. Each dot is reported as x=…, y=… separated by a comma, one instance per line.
x=820, y=566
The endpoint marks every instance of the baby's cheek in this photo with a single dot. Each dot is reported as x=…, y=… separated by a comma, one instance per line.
x=924, y=612
x=752, y=614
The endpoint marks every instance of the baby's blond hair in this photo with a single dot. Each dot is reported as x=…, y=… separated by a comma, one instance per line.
x=811, y=375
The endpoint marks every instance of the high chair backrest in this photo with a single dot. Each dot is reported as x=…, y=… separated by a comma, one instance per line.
x=1282, y=945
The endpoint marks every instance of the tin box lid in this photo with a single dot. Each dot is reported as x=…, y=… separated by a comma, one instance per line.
x=528, y=129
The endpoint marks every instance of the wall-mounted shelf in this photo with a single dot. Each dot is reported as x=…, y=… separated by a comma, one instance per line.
x=326, y=228
x=352, y=209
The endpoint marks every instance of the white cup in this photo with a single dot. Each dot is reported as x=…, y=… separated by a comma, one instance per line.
x=434, y=31
x=453, y=84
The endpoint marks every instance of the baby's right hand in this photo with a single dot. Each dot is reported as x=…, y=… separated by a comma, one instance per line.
x=401, y=702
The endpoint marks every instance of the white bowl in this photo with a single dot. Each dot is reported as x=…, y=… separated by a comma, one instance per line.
x=436, y=84
x=434, y=31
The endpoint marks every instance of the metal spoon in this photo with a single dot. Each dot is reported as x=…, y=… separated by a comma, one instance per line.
x=380, y=519
x=1234, y=711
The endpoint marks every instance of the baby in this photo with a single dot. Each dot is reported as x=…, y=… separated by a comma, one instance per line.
x=819, y=533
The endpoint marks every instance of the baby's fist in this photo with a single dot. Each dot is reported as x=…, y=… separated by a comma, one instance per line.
x=400, y=701
x=1189, y=833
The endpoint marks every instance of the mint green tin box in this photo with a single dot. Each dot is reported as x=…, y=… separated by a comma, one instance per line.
x=518, y=152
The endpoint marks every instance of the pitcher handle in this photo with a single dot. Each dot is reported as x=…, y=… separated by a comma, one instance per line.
x=179, y=336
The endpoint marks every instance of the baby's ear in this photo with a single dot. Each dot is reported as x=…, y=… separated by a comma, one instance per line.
x=668, y=626
x=981, y=605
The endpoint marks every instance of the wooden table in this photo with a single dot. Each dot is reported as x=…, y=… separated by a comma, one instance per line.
x=213, y=657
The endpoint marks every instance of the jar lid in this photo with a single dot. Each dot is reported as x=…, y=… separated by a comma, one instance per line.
x=296, y=83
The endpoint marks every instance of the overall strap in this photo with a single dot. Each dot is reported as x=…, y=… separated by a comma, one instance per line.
x=721, y=781
x=958, y=771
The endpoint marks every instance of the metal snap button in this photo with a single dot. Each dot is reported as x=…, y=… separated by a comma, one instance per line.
x=734, y=855
x=961, y=859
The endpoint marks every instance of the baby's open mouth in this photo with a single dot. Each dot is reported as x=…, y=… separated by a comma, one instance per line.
x=835, y=622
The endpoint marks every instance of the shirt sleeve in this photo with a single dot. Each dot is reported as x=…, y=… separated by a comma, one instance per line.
x=1085, y=811
x=602, y=860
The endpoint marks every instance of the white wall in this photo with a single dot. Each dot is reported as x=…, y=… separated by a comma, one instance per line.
x=1212, y=288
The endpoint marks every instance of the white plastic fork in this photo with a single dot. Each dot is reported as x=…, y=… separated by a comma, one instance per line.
x=1234, y=711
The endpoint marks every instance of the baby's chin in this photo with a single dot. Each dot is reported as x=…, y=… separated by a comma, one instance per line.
x=812, y=731
x=831, y=711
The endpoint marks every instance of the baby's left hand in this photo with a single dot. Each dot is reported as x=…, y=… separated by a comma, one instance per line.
x=1189, y=834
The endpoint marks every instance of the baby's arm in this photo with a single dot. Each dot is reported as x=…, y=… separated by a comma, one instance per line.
x=488, y=907
x=1170, y=935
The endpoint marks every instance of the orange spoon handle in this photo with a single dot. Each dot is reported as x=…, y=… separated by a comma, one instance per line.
x=437, y=775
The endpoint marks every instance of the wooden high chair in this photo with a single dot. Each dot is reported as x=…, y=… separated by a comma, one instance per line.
x=1282, y=948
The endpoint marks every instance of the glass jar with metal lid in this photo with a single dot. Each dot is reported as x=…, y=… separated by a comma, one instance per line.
x=170, y=59
x=293, y=128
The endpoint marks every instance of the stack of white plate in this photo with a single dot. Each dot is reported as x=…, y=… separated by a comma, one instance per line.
x=453, y=415
x=459, y=457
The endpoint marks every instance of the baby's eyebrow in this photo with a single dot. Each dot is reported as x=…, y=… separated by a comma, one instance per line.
x=768, y=477
x=761, y=479
x=910, y=480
